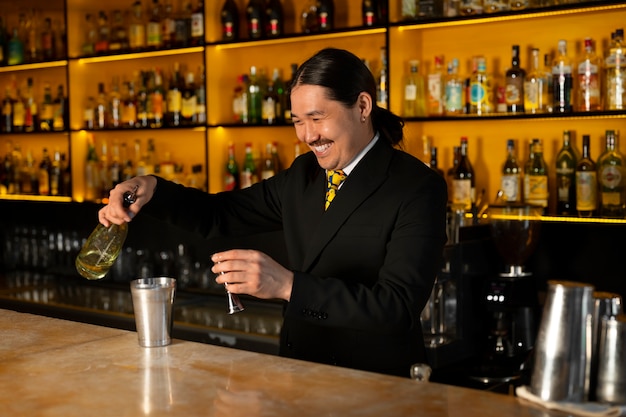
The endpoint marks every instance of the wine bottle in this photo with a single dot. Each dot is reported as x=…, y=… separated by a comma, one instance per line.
x=586, y=183
x=536, y=178
x=369, y=10
x=566, y=177
x=230, y=21
x=103, y=246
x=231, y=174
x=434, y=165
x=612, y=179
x=274, y=20
x=510, y=181
x=514, y=88
x=254, y=17
x=254, y=98
x=326, y=15
x=463, y=182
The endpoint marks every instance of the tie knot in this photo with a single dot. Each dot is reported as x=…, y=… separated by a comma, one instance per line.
x=335, y=178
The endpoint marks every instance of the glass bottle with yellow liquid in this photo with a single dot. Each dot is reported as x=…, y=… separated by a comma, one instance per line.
x=103, y=246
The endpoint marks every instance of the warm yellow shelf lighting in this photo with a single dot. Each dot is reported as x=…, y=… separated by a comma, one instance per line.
x=490, y=19
x=39, y=65
x=299, y=39
x=139, y=55
x=22, y=197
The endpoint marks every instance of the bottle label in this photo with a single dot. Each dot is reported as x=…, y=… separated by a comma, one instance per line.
x=610, y=176
x=188, y=107
x=153, y=34
x=229, y=182
x=462, y=193
x=410, y=92
x=435, y=101
x=197, y=25
x=537, y=189
x=174, y=101
x=510, y=185
x=513, y=93
x=586, y=191
x=454, y=97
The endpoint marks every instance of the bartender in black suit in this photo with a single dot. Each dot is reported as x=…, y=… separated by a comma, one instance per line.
x=360, y=268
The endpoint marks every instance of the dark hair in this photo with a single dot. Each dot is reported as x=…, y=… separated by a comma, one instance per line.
x=345, y=76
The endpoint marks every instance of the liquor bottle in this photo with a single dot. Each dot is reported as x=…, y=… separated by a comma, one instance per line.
x=414, y=101
x=19, y=110
x=562, y=82
x=168, y=26
x=255, y=11
x=28, y=175
x=434, y=165
x=182, y=26
x=287, y=117
x=517, y=5
x=248, y=171
x=535, y=87
x=464, y=182
x=536, y=177
x=66, y=177
x=326, y=15
x=269, y=105
x=47, y=110
x=274, y=20
x=141, y=99
x=189, y=102
x=119, y=35
x=48, y=41
x=369, y=11
x=32, y=38
x=435, y=101
x=31, y=118
x=92, y=180
x=101, y=109
x=197, y=25
x=3, y=43
x=382, y=81
x=200, y=97
x=231, y=173
x=103, y=246
x=55, y=174
x=137, y=28
x=156, y=100
x=268, y=169
x=514, y=86
x=154, y=27
x=612, y=179
x=101, y=45
x=60, y=111
x=15, y=49
x=470, y=7
x=453, y=95
x=281, y=95
x=566, y=177
x=174, y=97
x=115, y=104
x=511, y=180
x=103, y=172
x=128, y=105
x=275, y=158
x=43, y=174
x=588, y=74
x=254, y=98
x=309, y=19
x=615, y=73
x=230, y=21
x=89, y=113
x=586, y=183
x=480, y=94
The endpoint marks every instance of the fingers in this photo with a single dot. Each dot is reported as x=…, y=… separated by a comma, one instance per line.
x=115, y=212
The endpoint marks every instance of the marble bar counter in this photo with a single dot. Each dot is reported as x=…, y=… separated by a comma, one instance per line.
x=57, y=368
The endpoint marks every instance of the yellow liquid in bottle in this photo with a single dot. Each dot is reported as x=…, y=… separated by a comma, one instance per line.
x=101, y=250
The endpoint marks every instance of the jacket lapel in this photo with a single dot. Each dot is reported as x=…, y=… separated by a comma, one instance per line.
x=364, y=180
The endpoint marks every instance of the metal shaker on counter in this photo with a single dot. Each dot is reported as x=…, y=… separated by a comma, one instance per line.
x=611, y=381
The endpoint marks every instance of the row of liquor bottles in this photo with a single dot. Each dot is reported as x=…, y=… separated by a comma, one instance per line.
x=49, y=175
x=585, y=186
x=586, y=84
x=255, y=166
x=111, y=162
x=32, y=38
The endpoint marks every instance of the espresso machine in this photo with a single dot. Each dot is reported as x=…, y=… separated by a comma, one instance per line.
x=509, y=297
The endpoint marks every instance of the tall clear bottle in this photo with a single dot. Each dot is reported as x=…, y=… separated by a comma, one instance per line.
x=414, y=92
x=435, y=84
x=612, y=179
x=536, y=88
x=382, y=80
x=566, y=161
x=586, y=183
x=254, y=98
x=480, y=90
x=588, y=76
x=615, y=73
x=562, y=82
x=230, y=21
x=453, y=89
x=511, y=179
x=464, y=182
x=536, y=178
x=514, y=85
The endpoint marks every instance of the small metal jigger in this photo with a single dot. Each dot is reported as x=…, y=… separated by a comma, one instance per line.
x=234, y=303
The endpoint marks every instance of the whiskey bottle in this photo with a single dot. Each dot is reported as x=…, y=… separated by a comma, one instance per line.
x=588, y=77
x=189, y=102
x=60, y=111
x=586, y=183
x=511, y=180
x=562, y=82
x=464, y=182
x=514, y=85
x=536, y=190
x=414, y=100
x=230, y=21
x=174, y=97
x=615, y=73
x=137, y=28
x=612, y=179
x=566, y=177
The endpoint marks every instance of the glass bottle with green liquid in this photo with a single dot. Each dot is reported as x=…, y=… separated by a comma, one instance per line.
x=103, y=246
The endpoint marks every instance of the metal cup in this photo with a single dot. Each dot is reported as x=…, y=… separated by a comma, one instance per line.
x=563, y=349
x=152, y=303
x=611, y=387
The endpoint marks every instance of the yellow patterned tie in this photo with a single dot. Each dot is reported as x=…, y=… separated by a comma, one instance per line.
x=335, y=178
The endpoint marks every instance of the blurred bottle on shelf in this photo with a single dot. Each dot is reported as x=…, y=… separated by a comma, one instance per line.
x=495, y=6
x=154, y=27
x=115, y=104
x=156, y=100
x=480, y=89
x=128, y=105
x=517, y=5
x=249, y=174
x=436, y=88
x=31, y=118
x=90, y=35
x=511, y=179
x=47, y=109
x=201, y=117
x=89, y=113
x=189, y=102
x=119, y=33
x=536, y=189
x=588, y=77
x=514, y=85
x=254, y=98
x=268, y=168
x=101, y=113
x=103, y=37
x=15, y=49
x=174, y=97
x=231, y=172
x=56, y=176
x=434, y=163
x=141, y=99
x=470, y=7
x=612, y=179
x=536, y=88
x=255, y=11
x=43, y=174
x=382, y=81
x=3, y=42
x=168, y=25
x=274, y=19
x=196, y=37
x=586, y=182
x=562, y=82
x=370, y=10
x=230, y=21
x=269, y=105
x=137, y=28
x=48, y=41
x=414, y=92
x=182, y=24
x=566, y=177
x=453, y=90
x=464, y=181
x=309, y=17
x=60, y=111
x=92, y=179
x=19, y=108
x=326, y=15
x=615, y=73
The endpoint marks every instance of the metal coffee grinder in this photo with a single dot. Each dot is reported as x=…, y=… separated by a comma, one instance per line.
x=510, y=297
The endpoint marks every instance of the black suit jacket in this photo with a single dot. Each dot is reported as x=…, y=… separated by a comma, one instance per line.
x=363, y=269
